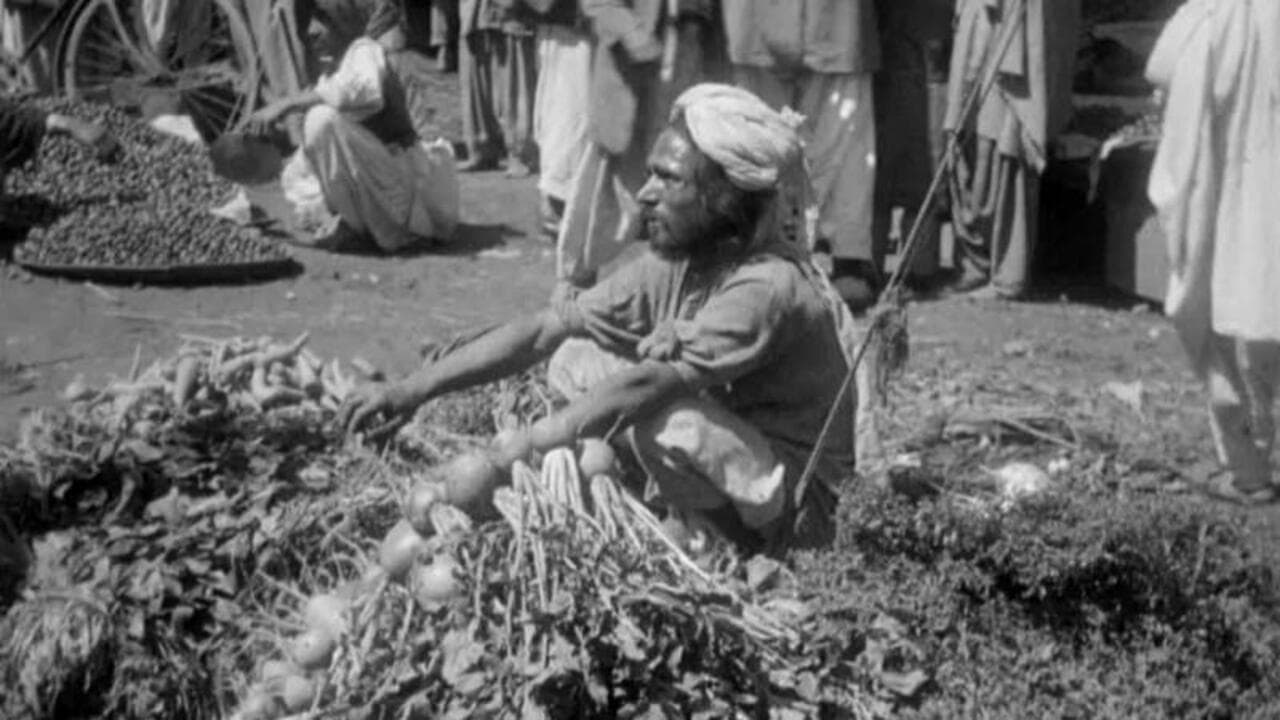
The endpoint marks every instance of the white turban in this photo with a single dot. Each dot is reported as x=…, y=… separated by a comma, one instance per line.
x=755, y=144
x=759, y=149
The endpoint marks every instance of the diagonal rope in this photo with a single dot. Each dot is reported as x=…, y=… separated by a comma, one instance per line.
x=977, y=94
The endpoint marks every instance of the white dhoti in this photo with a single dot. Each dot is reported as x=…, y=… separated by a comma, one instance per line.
x=699, y=455
x=397, y=195
x=560, y=108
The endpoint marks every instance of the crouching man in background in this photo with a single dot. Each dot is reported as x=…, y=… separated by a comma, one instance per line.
x=720, y=350
x=361, y=157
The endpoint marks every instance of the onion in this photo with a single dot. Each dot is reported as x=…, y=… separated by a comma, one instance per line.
x=424, y=496
x=400, y=548
x=326, y=613
x=313, y=649
x=596, y=457
x=437, y=582
x=470, y=480
x=275, y=670
x=1019, y=480
x=258, y=706
x=511, y=445
x=297, y=693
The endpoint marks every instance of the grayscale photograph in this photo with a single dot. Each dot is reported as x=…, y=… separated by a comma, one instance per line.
x=639, y=359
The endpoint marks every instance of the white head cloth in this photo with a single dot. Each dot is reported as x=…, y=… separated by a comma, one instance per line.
x=759, y=149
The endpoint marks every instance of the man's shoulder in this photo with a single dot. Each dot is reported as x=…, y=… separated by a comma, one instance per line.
x=784, y=275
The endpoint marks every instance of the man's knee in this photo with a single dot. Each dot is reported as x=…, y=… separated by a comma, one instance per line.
x=320, y=123
x=680, y=425
x=702, y=456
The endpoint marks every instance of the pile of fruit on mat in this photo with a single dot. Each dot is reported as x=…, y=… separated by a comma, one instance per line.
x=147, y=213
x=197, y=540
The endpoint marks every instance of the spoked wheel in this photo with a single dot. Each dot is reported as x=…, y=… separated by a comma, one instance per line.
x=12, y=82
x=203, y=56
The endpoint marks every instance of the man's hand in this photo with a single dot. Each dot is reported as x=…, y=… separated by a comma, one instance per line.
x=262, y=122
x=367, y=402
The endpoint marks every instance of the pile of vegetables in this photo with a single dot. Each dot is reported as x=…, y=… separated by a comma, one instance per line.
x=148, y=517
x=576, y=603
x=142, y=237
x=149, y=211
x=199, y=541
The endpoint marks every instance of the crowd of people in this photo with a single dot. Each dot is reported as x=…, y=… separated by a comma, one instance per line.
x=578, y=90
x=879, y=85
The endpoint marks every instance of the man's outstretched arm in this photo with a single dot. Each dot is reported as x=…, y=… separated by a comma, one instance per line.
x=503, y=351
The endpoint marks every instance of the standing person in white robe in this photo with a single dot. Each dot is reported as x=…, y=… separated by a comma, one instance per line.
x=561, y=106
x=362, y=157
x=1213, y=185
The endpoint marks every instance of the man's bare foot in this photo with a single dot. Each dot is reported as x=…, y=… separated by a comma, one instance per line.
x=517, y=168
x=991, y=292
x=968, y=281
x=478, y=162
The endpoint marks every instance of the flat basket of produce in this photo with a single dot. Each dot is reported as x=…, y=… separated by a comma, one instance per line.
x=170, y=274
x=266, y=265
x=144, y=219
x=138, y=244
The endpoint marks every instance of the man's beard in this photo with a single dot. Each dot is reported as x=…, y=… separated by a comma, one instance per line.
x=660, y=238
x=701, y=238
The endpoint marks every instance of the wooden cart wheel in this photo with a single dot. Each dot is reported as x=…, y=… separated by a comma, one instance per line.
x=12, y=82
x=209, y=63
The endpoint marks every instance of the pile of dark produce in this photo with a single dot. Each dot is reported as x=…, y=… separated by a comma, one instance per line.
x=148, y=211
x=140, y=236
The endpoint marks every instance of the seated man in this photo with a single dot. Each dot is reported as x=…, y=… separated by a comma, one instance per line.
x=360, y=152
x=24, y=127
x=721, y=350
